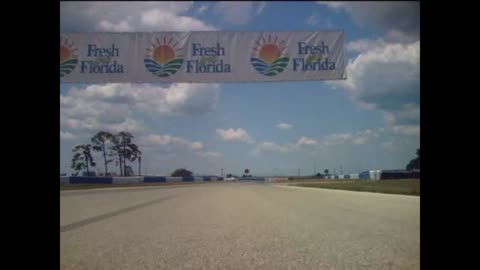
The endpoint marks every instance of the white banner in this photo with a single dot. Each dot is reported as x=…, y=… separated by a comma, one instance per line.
x=203, y=57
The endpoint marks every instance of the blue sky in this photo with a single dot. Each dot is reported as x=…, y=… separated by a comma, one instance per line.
x=369, y=121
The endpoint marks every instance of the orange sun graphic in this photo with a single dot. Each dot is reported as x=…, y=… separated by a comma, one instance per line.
x=163, y=52
x=66, y=51
x=269, y=50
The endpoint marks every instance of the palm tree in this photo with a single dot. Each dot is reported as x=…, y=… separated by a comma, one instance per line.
x=140, y=165
x=326, y=172
x=125, y=140
x=132, y=153
x=125, y=149
x=99, y=144
x=116, y=151
x=119, y=148
x=82, y=157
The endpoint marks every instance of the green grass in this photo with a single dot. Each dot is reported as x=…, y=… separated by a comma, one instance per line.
x=400, y=186
x=92, y=186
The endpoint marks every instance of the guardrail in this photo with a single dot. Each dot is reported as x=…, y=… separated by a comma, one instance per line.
x=132, y=179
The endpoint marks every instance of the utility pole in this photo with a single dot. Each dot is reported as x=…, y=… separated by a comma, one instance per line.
x=222, y=172
x=298, y=171
x=315, y=168
x=341, y=169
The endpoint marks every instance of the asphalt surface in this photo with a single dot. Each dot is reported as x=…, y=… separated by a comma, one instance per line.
x=238, y=226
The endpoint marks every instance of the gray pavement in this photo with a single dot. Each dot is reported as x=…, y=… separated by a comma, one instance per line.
x=238, y=226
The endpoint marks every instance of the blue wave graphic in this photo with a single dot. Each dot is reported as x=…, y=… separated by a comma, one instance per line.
x=166, y=70
x=67, y=66
x=272, y=69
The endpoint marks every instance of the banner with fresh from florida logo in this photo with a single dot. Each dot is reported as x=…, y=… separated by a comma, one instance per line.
x=203, y=57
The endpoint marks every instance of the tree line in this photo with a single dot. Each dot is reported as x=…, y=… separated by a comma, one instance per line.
x=114, y=147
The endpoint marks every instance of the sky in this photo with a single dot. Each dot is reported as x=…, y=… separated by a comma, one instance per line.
x=369, y=121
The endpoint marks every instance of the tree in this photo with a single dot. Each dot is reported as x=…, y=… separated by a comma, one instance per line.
x=132, y=153
x=182, y=173
x=126, y=139
x=116, y=151
x=325, y=171
x=140, y=164
x=99, y=144
x=123, y=148
x=414, y=164
x=128, y=171
x=82, y=158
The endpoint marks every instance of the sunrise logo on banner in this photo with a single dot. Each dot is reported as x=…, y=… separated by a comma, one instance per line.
x=269, y=56
x=164, y=57
x=68, y=57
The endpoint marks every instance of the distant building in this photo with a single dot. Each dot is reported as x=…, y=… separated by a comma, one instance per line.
x=370, y=175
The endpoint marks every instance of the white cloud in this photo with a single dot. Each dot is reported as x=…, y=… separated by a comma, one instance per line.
x=122, y=26
x=403, y=16
x=284, y=126
x=306, y=141
x=172, y=145
x=237, y=13
x=333, y=5
x=202, y=9
x=363, y=45
x=334, y=139
x=313, y=20
x=397, y=36
x=128, y=16
x=406, y=129
x=234, y=135
x=272, y=147
x=210, y=154
x=260, y=7
x=407, y=144
x=167, y=140
x=359, y=137
x=386, y=77
x=64, y=135
x=389, y=146
x=162, y=19
x=114, y=106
